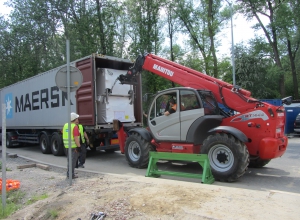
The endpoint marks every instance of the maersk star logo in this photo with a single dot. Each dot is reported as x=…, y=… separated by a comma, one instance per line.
x=9, y=108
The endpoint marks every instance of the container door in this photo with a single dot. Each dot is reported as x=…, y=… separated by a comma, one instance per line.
x=84, y=95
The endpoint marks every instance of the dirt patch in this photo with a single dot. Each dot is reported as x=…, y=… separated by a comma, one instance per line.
x=135, y=197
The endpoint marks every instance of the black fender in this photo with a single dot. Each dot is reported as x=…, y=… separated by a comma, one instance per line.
x=199, y=130
x=231, y=130
x=143, y=132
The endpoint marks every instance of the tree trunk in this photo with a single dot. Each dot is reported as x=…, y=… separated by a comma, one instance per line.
x=294, y=73
x=100, y=20
x=211, y=37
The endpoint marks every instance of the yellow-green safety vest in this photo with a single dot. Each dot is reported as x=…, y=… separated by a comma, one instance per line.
x=81, y=133
x=66, y=136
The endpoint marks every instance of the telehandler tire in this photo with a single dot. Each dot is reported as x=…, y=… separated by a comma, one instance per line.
x=137, y=151
x=228, y=156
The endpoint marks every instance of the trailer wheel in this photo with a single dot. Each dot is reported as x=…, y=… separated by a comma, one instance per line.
x=45, y=144
x=258, y=163
x=137, y=151
x=8, y=141
x=228, y=156
x=57, y=146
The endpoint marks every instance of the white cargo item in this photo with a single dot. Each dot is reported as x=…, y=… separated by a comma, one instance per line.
x=116, y=103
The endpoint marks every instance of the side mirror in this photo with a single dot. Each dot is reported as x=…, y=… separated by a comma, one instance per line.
x=287, y=100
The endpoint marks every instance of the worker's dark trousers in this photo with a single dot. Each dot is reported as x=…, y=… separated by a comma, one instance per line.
x=82, y=154
x=74, y=156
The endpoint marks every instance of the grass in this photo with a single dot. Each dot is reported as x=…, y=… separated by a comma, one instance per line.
x=52, y=213
x=36, y=198
x=7, y=169
x=13, y=203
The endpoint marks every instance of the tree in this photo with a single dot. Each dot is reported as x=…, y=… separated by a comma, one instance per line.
x=254, y=72
x=145, y=36
x=288, y=23
x=202, y=23
x=266, y=8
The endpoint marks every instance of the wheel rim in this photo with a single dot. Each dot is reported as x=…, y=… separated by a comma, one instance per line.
x=43, y=144
x=221, y=157
x=55, y=146
x=134, y=151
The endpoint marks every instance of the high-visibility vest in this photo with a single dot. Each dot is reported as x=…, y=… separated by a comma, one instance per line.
x=66, y=136
x=81, y=133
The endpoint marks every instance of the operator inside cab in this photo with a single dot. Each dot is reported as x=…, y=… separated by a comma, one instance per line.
x=172, y=107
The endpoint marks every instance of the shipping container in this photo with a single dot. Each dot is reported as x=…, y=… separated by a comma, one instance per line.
x=36, y=109
x=291, y=113
x=276, y=102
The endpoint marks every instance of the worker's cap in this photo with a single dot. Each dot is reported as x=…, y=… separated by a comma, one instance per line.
x=74, y=116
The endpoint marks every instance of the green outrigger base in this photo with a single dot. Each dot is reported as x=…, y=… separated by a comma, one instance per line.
x=206, y=177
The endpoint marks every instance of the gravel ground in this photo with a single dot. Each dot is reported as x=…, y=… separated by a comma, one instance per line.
x=36, y=181
x=140, y=198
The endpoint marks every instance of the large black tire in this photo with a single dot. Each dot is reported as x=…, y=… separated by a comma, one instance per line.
x=228, y=156
x=57, y=146
x=137, y=151
x=258, y=163
x=45, y=144
x=8, y=141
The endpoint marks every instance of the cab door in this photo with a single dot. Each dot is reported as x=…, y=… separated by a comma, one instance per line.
x=164, y=128
x=190, y=110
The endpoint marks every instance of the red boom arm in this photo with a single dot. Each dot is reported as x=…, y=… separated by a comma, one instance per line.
x=234, y=97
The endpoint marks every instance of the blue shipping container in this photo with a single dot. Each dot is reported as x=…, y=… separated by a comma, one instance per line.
x=291, y=112
x=276, y=102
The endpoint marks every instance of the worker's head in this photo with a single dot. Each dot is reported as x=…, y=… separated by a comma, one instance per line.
x=74, y=117
x=172, y=101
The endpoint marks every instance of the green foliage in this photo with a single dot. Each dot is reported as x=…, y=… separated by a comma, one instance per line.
x=202, y=23
x=256, y=74
x=33, y=38
x=36, y=198
x=52, y=214
x=13, y=203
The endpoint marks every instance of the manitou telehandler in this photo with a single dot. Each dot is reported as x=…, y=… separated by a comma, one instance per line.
x=252, y=132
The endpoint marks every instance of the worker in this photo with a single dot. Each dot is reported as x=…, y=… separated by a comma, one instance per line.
x=84, y=142
x=75, y=142
x=172, y=108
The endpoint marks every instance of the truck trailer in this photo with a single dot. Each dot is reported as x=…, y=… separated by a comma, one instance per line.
x=36, y=109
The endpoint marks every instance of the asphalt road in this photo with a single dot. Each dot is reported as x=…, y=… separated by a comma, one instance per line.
x=282, y=174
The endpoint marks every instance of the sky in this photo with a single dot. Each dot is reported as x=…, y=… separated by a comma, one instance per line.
x=242, y=32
